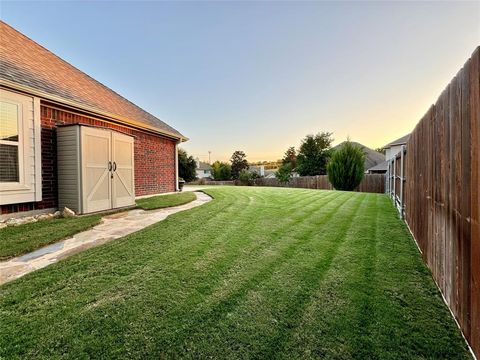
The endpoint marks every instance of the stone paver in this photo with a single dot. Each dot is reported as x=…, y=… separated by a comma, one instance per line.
x=112, y=227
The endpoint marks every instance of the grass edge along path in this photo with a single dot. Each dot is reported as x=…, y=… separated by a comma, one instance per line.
x=22, y=239
x=168, y=200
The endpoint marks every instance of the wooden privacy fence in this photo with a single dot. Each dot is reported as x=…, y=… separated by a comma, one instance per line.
x=442, y=195
x=373, y=183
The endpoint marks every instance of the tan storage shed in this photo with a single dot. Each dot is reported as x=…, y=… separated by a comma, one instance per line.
x=95, y=169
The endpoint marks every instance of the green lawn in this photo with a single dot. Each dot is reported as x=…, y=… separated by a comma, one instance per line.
x=18, y=240
x=255, y=273
x=163, y=201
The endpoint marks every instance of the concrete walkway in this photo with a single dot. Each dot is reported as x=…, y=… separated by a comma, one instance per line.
x=112, y=227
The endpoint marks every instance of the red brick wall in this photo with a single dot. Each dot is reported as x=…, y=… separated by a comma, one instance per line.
x=154, y=165
x=154, y=159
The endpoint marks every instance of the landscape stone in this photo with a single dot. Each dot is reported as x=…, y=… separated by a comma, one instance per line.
x=66, y=213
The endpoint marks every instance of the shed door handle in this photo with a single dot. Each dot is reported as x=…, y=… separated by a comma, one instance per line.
x=109, y=166
x=114, y=166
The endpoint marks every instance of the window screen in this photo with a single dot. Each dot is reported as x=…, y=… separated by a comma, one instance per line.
x=8, y=142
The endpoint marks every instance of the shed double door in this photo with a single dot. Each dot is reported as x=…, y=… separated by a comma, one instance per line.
x=107, y=170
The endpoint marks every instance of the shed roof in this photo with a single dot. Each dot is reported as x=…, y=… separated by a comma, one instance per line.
x=29, y=67
x=383, y=166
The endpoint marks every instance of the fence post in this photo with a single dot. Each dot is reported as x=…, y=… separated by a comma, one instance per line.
x=392, y=179
x=402, y=159
x=387, y=180
x=395, y=179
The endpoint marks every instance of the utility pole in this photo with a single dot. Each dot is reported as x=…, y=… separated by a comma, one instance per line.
x=209, y=162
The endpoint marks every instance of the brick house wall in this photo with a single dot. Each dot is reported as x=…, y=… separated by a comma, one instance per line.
x=154, y=157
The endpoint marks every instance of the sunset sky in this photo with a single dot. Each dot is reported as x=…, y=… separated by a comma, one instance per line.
x=258, y=76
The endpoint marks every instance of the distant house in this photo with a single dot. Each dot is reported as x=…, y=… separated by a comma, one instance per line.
x=68, y=140
x=391, y=150
x=266, y=173
x=204, y=170
x=394, y=147
x=259, y=169
x=270, y=173
x=372, y=157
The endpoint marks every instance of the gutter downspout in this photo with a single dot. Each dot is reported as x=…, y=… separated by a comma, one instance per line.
x=176, y=166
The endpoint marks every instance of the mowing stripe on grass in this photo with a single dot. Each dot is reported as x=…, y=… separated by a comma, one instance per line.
x=310, y=281
x=225, y=305
x=326, y=304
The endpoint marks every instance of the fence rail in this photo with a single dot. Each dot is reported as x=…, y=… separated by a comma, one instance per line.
x=436, y=185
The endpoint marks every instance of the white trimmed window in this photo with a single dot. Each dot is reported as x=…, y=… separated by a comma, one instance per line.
x=20, y=164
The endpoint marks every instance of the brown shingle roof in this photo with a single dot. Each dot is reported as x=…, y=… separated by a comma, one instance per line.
x=400, y=141
x=383, y=166
x=25, y=63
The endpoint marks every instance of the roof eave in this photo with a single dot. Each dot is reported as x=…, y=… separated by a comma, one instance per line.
x=397, y=142
x=394, y=144
x=69, y=103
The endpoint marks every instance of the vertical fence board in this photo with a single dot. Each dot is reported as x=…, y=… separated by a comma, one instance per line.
x=446, y=168
x=457, y=155
x=475, y=202
x=451, y=199
x=464, y=201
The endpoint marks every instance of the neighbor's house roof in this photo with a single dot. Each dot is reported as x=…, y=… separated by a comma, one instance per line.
x=372, y=157
x=26, y=66
x=401, y=141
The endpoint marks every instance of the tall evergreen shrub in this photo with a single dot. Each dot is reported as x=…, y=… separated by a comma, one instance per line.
x=346, y=167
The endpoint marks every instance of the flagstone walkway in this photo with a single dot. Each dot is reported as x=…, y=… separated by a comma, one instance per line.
x=111, y=228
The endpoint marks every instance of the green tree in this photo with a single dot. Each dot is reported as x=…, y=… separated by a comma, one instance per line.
x=284, y=173
x=380, y=150
x=314, y=153
x=221, y=171
x=186, y=166
x=246, y=177
x=216, y=170
x=346, y=167
x=239, y=163
x=226, y=172
x=290, y=157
